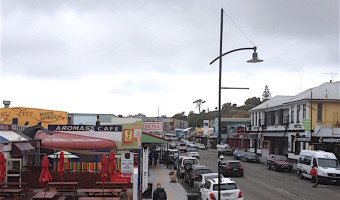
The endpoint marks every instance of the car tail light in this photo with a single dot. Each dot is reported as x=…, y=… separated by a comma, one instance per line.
x=241, y=168
x=228, y=168
x=240, y=195
x=212, y=196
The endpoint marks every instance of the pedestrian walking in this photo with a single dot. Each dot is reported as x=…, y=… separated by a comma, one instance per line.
x=159, y=193
x=314, y=174
x=151, y=157
x=155, y=158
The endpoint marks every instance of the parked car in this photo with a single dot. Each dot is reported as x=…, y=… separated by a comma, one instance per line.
x=182, y=147
x=202, y=178
x=184, y=163
x=193, y=153
x=226, y=151
x=172, y=153
x=250, y=157
x=279, y=163
x=231, y=168
x=172, y=145
x=200, y=146
x=193, y=173
x=229, y=190
x=238, y=154
x=327, y=165
x=222, y=146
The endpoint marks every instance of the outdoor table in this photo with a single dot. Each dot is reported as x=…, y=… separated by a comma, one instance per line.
x=17, y=185
x=45, y=196
x=119, y=185
x=65, y=187
x=14, y=192
x=102, y=192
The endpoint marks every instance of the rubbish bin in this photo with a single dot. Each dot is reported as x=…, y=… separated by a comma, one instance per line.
x=193, y=196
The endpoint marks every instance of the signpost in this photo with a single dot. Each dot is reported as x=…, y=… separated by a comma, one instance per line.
x=127, y=163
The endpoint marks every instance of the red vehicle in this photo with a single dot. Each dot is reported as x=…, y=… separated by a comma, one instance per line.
x=279, y=163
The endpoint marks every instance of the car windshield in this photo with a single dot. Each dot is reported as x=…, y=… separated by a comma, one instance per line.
x=202, y=171
x=323, y=162
x=193, y=150
x=212, y=176
x=251, y=154
x=281, y=158
x=225, y=186
x=182, y=145
x=190, y=161
x=240, y=152
x=234, y=164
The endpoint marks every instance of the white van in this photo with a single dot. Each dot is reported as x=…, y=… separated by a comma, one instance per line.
x=325, y=162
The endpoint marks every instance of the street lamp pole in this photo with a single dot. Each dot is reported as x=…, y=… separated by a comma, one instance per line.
x=253, y=60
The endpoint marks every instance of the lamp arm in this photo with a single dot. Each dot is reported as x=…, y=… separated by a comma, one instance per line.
x=240, y=49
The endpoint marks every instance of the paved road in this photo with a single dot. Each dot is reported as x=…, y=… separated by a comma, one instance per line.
x=259, y=183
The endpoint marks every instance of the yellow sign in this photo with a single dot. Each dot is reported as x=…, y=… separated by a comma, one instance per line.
x=128, y=136
x=32, y=116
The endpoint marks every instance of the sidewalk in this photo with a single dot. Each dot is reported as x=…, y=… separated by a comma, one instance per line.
x=160, y=174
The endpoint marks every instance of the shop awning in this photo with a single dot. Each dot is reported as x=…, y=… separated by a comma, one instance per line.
x=2, y=139
x=12, y=136
x=24, y=146
x=60, y=140
x=151, y=139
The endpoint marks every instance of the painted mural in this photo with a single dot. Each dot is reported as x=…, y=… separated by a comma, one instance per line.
x=32, y=116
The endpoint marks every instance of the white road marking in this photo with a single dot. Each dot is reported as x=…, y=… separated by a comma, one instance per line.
x=251, y=177
x=294, y=195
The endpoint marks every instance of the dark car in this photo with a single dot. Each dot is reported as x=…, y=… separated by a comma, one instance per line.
x=225, y=151
x=231, y=168
x=250, y=157
x=194, y=172
x=238, y=154
x=279, y=163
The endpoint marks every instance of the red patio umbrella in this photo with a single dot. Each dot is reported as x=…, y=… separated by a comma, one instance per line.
x=61, y=165
x=2, y=167
x=112, y=165
x=45, y=175
x=103, y=170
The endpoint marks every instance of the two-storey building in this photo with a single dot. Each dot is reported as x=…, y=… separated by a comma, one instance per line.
x=286, y=125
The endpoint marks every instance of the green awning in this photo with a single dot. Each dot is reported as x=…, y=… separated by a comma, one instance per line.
x=150, y=139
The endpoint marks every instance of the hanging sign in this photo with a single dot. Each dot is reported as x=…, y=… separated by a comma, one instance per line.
x=145, y=169
x=127, y=163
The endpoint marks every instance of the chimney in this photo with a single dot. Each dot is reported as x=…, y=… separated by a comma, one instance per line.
x=6, y=103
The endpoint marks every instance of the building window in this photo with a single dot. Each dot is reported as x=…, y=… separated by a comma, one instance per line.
x=298, y=114
x=15, y=121
x=319, y=112
x=255, y=119
x=281, y=117
x=304, y=111
x=292, y=114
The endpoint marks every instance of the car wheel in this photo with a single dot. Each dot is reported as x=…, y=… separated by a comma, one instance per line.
x=300, y=175
x=275, y=168
x=241, y=175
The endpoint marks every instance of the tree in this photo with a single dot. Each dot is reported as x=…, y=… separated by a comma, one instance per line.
x=266, y=94
x=254, y=101
x=199, y=103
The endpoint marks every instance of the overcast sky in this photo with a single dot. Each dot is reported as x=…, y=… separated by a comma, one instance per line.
x=135, y=56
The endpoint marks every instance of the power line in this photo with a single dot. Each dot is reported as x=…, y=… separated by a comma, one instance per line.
x=238, y=28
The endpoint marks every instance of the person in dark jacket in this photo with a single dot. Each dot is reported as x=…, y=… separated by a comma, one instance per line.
x=159, y=193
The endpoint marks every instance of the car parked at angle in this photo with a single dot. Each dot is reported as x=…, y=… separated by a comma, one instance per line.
x=279, y=163
x=238, y=154
x=193, y=173
x=182, y=147
x=172, y=145
x=326, y=163
x=228, y=151
x=250, y=157
x=193, y=153
x=202, y=178
x=184, y=163
x=200, y=146
x=231, y=168
x=171, y=154
x=228, y=190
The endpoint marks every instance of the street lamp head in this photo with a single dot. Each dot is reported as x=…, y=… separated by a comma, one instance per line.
x=255, y=59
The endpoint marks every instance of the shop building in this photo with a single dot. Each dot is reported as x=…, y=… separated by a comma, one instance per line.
x=285, y=125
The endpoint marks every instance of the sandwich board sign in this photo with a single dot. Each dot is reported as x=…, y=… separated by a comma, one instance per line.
x=127, y=163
